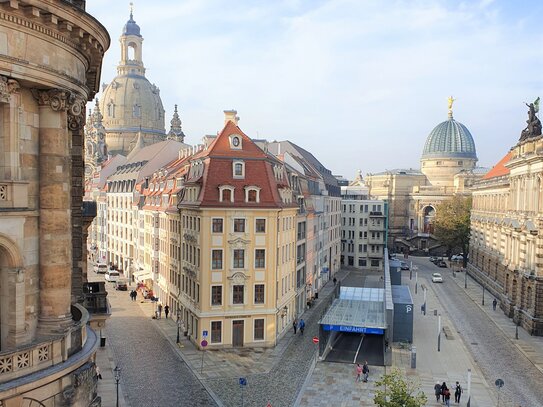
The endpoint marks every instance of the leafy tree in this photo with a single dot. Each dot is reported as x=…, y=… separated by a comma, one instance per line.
x=452, y=224
x=394, y=390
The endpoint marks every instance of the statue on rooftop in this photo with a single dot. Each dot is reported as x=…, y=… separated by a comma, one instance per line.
x=533, y=128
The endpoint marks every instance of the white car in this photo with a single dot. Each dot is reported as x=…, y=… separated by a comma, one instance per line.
x=457, y=257
x=112, y=276
x=436, y=278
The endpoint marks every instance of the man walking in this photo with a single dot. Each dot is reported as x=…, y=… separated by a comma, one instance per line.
x=365, y=371
x=159, y=313
x=457, y=393
x=301, y=325
x=294, y=325
x=166, y=310
x=437, y=391
x=494, y=303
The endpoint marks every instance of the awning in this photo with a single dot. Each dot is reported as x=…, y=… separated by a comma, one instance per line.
x=143, y=275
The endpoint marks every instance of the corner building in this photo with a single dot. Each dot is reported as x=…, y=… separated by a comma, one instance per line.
x=50, y=62
x=238, y=225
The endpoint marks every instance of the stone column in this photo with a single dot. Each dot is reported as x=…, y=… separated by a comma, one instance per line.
x=55, y=224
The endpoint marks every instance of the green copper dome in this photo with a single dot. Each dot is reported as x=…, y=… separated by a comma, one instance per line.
x=450, y=139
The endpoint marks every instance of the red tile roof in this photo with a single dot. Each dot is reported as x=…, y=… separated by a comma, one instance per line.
x=499, y=169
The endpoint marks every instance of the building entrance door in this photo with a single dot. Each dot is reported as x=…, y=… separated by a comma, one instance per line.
x=237, y=333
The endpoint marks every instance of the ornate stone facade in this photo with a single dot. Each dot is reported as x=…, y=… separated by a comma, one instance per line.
x=45, y=78
x=506, y=248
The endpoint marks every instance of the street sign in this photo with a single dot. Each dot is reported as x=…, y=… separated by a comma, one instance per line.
x=204, y=334
x=203, y=343
x=243, y=381
x=315, y=340
x=499, y=383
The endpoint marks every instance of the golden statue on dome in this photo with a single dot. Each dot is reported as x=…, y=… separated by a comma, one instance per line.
x=450, y=103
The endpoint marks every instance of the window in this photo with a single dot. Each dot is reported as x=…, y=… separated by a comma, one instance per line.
x=239, y=225
x=216, y=259
x=216, y=295
x=375, y=263
x=237, y=294
x=216, y=225
x=260, y=226
x=361, y=262
x=136, y=110
x=235, y=142
x=260, y=258
x=259, y=293
x=238, y=169
x=251, y=195
x=226, y=195
x=259, y=330
x=216, y=331
x=239, y=258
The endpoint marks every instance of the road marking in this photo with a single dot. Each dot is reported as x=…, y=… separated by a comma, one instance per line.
x=358, y=350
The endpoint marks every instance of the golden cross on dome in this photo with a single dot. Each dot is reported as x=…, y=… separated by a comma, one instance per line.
x=131, y=9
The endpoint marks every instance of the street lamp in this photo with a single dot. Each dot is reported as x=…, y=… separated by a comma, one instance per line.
x=483, y=302
x=117, y=372
x=178, y=325
x=466, y=279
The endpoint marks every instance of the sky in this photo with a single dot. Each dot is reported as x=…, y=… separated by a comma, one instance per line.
x=359, y=83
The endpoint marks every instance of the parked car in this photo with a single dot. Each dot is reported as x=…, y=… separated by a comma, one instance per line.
x=112, y=276
x=404, y=265
x=121, y=284
x=434, y=259
x=100, y=268
x=436, y=278
x=441, y=263
x=457, y=257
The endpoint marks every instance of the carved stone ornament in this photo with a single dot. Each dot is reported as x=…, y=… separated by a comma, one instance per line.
x=7, y=87
x=58, y=100
x=238, y=278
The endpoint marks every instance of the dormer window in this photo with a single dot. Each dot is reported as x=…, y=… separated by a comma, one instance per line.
x=226, y=193
x=235, y=142
x=252, y=194
x=111, y=109
x=238, y=169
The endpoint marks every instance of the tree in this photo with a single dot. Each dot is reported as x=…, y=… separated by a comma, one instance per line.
x=452, y=224
x=393, y=390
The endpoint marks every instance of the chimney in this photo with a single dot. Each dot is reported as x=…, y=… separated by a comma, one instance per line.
x=231, y=115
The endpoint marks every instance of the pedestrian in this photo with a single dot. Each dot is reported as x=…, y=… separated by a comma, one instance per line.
x=494, y=304
x=98, y=373
x=159, y=309
x=294, y=325
x=365, y=371
x=447, y=396
x=301, y=326
x=166, y=310
x=437, y=391
x=457, y=393
x=358, y=372
x=443, y=388
x=335, y=281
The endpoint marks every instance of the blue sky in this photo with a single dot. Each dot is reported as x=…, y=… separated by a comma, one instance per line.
x=359, y=83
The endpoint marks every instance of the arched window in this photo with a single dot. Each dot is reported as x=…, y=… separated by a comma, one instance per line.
x=136, y=110
x=252, y=194
x=111, y=109
x=238, y=169
x=226, y=193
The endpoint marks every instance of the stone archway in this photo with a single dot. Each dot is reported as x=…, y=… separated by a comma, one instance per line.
x=428, y=216
x=10, y=259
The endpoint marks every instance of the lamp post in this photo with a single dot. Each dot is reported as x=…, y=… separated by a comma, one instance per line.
x=416, y=281
x=424, y=290
x=117, y=372
x=466, y=279
x=483, y=302
x=439, y=333
x=178, y=325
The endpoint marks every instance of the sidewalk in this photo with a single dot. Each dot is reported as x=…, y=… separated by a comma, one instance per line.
x=529, y=346
x=449, y=365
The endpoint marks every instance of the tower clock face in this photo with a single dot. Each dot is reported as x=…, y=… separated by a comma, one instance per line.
x=235, y=141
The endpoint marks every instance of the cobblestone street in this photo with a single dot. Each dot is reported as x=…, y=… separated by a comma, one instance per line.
x=152, y=372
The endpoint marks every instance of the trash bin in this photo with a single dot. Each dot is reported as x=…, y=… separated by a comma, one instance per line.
x=102, y=342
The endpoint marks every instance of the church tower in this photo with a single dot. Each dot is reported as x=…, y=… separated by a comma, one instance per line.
x=130, y=103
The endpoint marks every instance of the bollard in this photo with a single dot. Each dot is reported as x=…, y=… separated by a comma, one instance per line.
x=413, y=357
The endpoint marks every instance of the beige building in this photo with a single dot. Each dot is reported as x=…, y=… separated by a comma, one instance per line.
x=448, y=167
x=506, y=244
x=238, y=224
x=50, y=63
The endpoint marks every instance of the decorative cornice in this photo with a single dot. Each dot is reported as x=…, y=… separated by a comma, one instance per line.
x=7, y=87
x=63, y=100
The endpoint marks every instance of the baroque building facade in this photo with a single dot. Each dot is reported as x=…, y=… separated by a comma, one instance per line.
x=448, y=167
x=47, y=349
x=506, y=244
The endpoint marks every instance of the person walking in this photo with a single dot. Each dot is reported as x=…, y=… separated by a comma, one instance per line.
x=295, y=325
x=365, y=371
x=447, y=396
x=437, y=391
x=335, y=281
x=358, y=372
x=457, y=393
x=301, y=326
x=494, y=304
x=159, y=311
x=166, y=310
x=443, y=388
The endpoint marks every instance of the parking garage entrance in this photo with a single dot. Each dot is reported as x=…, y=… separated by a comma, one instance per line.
x=353, y=329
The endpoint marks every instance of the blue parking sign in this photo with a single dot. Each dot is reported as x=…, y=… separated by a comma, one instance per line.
x=243, y=381
x=204, y=334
